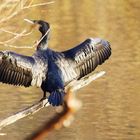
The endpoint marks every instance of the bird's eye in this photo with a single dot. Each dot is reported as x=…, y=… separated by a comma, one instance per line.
x=39, y=26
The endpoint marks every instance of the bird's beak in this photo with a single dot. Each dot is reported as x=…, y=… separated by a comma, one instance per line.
x=33, y=23
x=30, y=21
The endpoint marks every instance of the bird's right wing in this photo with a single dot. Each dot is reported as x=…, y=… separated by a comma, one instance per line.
x=88, y=55
x=17, y=69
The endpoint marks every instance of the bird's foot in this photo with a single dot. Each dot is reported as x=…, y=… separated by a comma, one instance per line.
x=44, y=101
x=43, y=98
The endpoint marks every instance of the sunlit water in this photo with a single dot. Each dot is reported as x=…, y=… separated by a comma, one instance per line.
x=111, y=104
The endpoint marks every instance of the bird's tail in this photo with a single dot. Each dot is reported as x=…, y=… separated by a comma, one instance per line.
x=56, y=98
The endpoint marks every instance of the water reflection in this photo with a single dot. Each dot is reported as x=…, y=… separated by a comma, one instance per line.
x=110, y=104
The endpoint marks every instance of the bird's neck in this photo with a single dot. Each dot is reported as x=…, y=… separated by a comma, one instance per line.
x=43, y=42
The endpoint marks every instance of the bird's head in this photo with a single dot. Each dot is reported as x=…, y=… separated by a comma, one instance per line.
x=43, y=25
x=44, y=28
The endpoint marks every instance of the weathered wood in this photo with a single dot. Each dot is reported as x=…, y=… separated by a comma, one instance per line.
x=23, y=113
x=73, y=86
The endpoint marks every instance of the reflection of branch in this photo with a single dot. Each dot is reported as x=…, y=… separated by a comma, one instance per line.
x=73, y=86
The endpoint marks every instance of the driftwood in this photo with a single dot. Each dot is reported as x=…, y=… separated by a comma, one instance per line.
x=73, y=86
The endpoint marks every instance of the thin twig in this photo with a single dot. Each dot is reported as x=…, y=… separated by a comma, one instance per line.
x=13, y=46
x=18, y=35
x=15, y=37
x=23, y=33
x=23, y=7
x=39, y=4
x=13, y=14
x=6, y=31
x=28, y=47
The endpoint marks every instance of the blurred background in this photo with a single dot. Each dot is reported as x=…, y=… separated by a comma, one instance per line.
x=111, y=104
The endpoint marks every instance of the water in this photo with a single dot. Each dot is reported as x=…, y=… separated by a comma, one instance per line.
x=111, y=109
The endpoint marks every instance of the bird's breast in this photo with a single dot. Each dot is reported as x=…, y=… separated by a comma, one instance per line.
x=68, y=72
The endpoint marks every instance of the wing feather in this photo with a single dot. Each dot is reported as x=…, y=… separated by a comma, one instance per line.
x=88, y=55
x=16, y=69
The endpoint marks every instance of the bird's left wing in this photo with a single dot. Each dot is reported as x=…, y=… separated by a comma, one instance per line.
x=16, y=69
x=88, y=55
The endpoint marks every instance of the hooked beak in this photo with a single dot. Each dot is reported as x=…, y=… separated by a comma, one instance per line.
x=30, y=21
x=33, y=23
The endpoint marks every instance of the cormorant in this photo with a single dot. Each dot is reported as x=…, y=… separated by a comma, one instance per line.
x=52, y=70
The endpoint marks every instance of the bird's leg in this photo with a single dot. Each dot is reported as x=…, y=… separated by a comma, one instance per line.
x=44, y=96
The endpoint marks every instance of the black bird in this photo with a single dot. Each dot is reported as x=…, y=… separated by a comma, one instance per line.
x=52, y=70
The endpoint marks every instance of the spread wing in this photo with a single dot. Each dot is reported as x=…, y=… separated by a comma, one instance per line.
x=88, y=55
x=16, y=69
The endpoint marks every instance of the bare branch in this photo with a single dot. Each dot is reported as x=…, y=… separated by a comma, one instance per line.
x=21, y=114
x=71, y=106
x=15, y=37
x=20, y=6
x=76, y=85
x=13, y=11
x=12, y=14
x=73, y=86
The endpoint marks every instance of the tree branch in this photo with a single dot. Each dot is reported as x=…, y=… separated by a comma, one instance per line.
x=20, y=6
x=73, y=86
x=25, y=112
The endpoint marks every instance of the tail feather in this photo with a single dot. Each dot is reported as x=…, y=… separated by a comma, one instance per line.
x=56, y=98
